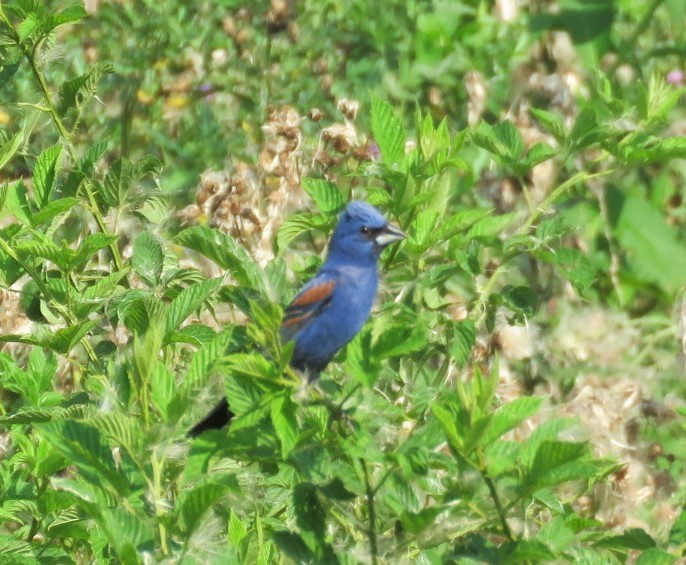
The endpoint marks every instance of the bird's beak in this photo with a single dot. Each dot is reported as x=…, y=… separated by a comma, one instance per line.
x=389, y=235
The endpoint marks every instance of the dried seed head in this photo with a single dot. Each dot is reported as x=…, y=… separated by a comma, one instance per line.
x=315, y=114
x=348, y=108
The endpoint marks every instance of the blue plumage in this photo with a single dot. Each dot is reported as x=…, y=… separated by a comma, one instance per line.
x=332, y=307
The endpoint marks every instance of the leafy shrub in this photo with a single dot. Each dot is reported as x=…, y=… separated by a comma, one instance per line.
x=409, y=447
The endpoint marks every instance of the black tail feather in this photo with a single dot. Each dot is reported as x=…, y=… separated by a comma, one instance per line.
x=218, y=418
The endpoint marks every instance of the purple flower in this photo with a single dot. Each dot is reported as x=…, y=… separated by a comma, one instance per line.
x=675, y=77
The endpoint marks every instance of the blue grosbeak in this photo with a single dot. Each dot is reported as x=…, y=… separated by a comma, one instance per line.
x=332, y=307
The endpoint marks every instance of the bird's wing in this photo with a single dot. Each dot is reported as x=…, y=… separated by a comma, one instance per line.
x=311, y=301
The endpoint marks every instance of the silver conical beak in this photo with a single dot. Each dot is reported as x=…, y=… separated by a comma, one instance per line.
x=388, y=235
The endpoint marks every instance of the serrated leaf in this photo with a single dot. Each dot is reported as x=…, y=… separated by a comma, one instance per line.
x=189, y=300
x=124, y=430
x=14, y=201
x=538, y=153
x=75, y=92
x=127, y=533
x=298, y=224
x=226, y=252
x=148, y=258
x=237, y=530
x=448, y=424
x=509, y=416
x=53, y=209
x=45, y=174
x=423, y=229
x=491, y=227
x=69, y=15
x=194, y=504
x=283, y=414
x=556, y=462
x=84, y=446
x=631, y=538
x=203, y=360
x=677, y=535
x=10, y=147
x=520, y=299
x=502, y=140
x=388, y=131
x=325, y=194
x=60, y=341
x=89, y=246
x=464, y=339
x=12, y=548
x=552, y=123
x=118, y=181
x=360, y=363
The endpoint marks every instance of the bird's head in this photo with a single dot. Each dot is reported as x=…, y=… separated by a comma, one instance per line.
x=362, y=232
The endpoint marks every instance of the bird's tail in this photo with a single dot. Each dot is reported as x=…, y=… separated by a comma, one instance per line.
x=218, y=418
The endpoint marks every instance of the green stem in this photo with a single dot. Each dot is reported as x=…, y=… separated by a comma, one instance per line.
x=496, y=499
x=371, y=533
x=64, y=134
x=157, y=467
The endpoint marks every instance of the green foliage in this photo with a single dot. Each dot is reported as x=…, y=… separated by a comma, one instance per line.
x=410, y=446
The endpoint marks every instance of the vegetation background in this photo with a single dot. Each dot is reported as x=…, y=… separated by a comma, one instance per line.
x=169, y=173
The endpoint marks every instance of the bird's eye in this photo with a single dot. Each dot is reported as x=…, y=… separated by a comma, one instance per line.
x=365, y=230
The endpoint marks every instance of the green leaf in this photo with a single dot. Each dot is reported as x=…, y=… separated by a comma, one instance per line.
x=74, y=93
x=14, y=201
x=292, y=545
x=464, y=338
x=655, y=556
x=128, y=534
x=69, y=15
x=60, y=341
x=45, y=174
x=654, y=251
x=16, y=551
x=552, y=123
x=10, y=147
x=509, y=416
x=325, y=194
x=632, y=538
x=237, y=530
x=194, y=504
x=53, y=209
x=283, y=413
x=148, y=258
x=677, y=535
x=118, y=181
x=89, y=246
x=202, y=363
x=502, y=140
x=388, y=131
x=491, y=227
x=310, y=514
x=298, y=224
x=538, y=153
x=520, y=299
x=423, y=229
x=189, y=300
x=556, y=462
x=226, y=252
x=84, y=446
x=360, y=363
x=123, y=430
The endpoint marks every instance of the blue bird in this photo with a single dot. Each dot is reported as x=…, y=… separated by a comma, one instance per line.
x=331, y=308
